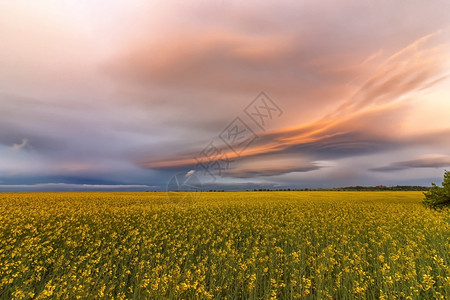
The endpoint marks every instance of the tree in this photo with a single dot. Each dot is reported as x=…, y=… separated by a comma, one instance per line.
x=437, y=196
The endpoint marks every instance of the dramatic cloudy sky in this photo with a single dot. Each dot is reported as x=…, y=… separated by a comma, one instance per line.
x=126, y=94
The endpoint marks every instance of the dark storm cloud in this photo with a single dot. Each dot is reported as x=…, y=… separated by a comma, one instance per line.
x=425, y=162
x=268, y=171
x=57, y=187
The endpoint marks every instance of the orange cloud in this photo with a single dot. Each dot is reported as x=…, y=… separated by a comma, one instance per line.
x=354, y=127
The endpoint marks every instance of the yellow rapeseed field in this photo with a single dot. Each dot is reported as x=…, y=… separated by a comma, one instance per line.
x=236, y=245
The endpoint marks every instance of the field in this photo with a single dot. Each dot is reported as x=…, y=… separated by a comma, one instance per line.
x=239, y=245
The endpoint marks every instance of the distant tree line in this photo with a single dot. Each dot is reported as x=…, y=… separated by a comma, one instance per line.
x=358, y=188
x=348, y=188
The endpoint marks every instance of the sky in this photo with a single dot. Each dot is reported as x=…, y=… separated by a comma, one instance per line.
x=128, y=95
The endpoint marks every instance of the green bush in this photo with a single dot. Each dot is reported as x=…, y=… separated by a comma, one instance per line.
x=437, y=196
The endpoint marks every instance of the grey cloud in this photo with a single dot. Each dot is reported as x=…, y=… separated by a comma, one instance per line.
x=17, y=147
